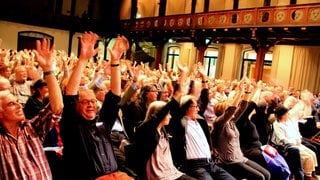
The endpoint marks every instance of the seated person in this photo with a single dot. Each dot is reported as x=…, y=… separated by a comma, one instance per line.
x=286, y=131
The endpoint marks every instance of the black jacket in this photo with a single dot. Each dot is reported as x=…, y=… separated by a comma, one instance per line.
x=147, y=136
x=177, y=129
x=87, y=152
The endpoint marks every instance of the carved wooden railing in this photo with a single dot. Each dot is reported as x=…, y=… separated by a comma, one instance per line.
x=284, y=16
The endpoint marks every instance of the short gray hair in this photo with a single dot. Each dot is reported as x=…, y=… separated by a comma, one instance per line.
x=3, y=94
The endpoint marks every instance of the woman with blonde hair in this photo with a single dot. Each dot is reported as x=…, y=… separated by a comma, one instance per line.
x=226, y=139
x=152, y=142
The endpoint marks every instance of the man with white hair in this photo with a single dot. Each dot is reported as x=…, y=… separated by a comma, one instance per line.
x=22, y=155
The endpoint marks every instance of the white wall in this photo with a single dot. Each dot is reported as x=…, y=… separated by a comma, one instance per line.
x=231, y=61
x=9, y=35
x=281, y=64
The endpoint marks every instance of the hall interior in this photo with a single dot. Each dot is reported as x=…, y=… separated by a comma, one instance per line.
x=276, y=41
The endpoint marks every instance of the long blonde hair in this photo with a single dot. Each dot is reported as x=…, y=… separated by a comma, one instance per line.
x=220, y=108
x=153, y=108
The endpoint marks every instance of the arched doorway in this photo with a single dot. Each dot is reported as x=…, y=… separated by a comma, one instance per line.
x=27, y=39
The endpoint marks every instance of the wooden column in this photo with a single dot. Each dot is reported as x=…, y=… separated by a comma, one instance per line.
x=201, y=45
x=157, y=58
x=158, y=41
x=261, y=45
x=162, y=7
x=134, y=9
x=201, y=50
x=258, y=70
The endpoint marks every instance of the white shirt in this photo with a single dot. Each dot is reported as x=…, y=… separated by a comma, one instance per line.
x=196, y=141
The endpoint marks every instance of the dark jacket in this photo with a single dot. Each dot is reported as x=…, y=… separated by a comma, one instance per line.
x=203, y=101
x=33, y=106
x=260, y=119
x=147, y=136
x=177, y=129
x=87, y=151
x=133, y=114
x=249, y=137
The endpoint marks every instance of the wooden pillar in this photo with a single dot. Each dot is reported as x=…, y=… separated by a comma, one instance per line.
x=162, y=7
x=134, y=9
x=206, y=6
x=261, y=46
x=235, y=4
x=200, y=43
x=200, y=56
x=193, y=6
x=157, y=58
x=258, y=70
x=158, y=41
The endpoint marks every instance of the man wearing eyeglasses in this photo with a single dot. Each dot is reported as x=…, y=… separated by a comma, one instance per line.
x=190, y=144
x=88, y=152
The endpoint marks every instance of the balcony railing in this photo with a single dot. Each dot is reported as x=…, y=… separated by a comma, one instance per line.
x=288, y=16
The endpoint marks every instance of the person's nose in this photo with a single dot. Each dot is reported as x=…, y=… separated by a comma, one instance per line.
x=18, y=105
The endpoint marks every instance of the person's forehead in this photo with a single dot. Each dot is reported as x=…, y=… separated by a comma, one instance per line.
x=8, y=98
x=20, y=68
x=194, y=102
x=153, y=87
x=87, y=95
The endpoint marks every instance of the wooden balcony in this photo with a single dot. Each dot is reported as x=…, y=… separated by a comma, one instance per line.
x=298, y=24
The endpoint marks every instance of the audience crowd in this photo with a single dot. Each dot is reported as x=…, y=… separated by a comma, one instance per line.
x=68, y=117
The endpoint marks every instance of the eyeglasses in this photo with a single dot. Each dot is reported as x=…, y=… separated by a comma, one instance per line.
x=194, y=105
x=87, y=101
x=153, y=91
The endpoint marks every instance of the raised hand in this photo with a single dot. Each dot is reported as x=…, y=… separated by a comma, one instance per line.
x=201, y=70
x=44, y=54
x=121, y=44
x=182, y=72
x=87, y=42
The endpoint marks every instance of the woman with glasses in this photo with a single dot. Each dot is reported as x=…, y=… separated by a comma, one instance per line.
x=136, y=113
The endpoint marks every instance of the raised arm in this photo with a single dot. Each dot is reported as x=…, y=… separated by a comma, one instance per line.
x=202, y=74
x=44, y=57
x=87, y=51
x=121, y=44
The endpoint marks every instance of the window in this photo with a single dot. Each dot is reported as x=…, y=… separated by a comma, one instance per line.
x=249, y=62
x=173, y=56
x=210, y=61
x=27, y=39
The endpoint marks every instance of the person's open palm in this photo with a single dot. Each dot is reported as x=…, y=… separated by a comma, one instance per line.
x=87, y=42
x=121, y=44
x=44, y=54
